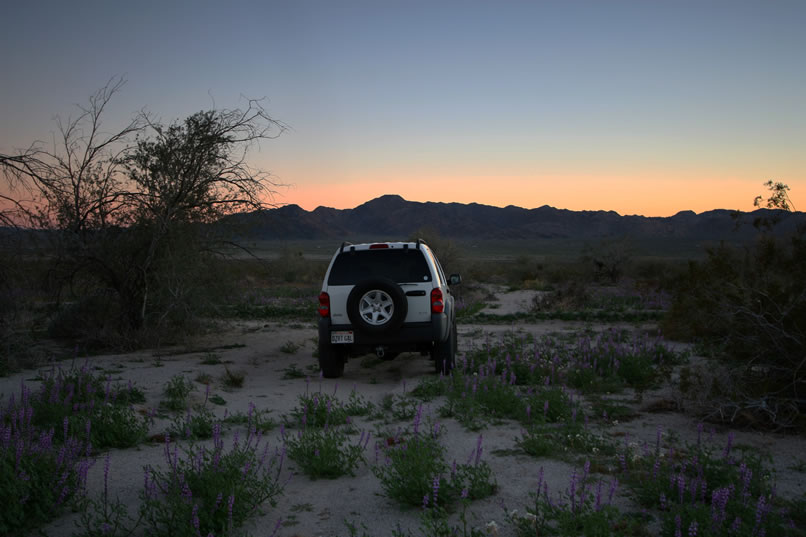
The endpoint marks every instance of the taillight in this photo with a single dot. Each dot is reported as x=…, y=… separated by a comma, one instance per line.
x=378, y=246
x=324, y=304
x=437, y=303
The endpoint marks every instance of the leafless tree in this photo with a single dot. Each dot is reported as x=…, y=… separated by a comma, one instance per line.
x=130, y=208
x=76, y=185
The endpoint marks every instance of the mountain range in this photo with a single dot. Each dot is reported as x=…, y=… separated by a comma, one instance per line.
x=392, y=217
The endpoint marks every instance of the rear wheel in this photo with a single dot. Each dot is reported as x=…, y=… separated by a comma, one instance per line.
x=444, y=353
x=332, y=359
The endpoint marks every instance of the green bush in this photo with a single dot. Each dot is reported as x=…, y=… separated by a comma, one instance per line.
x=414, y=471
x=177, y=391
x=42, y=471
x=210, y=489
x=84, y=405
x=321, y=452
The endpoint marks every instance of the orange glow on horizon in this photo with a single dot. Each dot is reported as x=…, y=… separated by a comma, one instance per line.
x=647, y=196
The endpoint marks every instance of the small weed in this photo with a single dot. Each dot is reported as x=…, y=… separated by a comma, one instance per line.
x=233, y=379
x=211, y=358
x=255, y=418
x=799, y=466
x=217, y=400
x=430, y=388
x=370, y=361
x=558, y=440
x=292, y=372
x=400, y=407
x=204, y=378
x=609, y=410
x=289, y=347
x=302, y=508
x=196, y=425
x=177, y=391
x=434, y=523
x=357, y=405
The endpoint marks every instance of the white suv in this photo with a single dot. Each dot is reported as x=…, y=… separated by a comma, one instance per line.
x=386, y=298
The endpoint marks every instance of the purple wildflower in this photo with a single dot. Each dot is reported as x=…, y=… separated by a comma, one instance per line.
x=479, y=450
x=729, y=445
x=230, y=504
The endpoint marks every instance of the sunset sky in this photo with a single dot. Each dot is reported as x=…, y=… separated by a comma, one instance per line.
x=640, y=107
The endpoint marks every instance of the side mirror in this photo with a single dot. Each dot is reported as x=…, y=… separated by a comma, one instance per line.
x=454, y=279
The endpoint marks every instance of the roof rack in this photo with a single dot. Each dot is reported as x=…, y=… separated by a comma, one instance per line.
x=341, y=250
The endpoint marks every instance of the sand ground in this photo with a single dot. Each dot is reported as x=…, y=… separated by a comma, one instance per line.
x=319, y=507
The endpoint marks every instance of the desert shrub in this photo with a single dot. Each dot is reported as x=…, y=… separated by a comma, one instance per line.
x=751, y=304
x=42, y=470
x=583, y=509
x=414, y=470
x=85, y=405
x=20, y=317
x=177, y=392
x=317, y=410
x=146, y=257
x=196, y=425
x=573, y=295
x=326, y=451
x=210, y=489
x=706, y=489
x=609, y=259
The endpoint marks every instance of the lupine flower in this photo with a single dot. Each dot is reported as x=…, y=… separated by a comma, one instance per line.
x=613, y=487
x=106, y=477
x=726, y=453
x=479, y=450
x=230, y=504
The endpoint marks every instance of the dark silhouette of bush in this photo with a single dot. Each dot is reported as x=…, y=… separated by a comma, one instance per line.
x=749, y=305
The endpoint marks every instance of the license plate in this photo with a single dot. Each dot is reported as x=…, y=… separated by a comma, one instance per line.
x=341, y=337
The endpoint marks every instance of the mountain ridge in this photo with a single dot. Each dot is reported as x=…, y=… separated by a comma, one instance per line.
x=392, y=216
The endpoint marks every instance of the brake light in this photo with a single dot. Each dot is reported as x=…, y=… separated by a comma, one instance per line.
x=324, y=304
x=378, y=246
x=437, y=303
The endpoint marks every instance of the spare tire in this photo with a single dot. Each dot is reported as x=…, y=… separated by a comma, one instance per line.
x=377, y=305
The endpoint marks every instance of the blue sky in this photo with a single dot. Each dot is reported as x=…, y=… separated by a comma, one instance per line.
x=642, y=107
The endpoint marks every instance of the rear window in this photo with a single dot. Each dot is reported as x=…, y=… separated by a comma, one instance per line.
x=400, y=266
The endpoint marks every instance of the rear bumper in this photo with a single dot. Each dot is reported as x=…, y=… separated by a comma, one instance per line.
x=409, y=334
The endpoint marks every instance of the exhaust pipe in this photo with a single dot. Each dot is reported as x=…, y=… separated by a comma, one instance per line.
x=380, y=351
